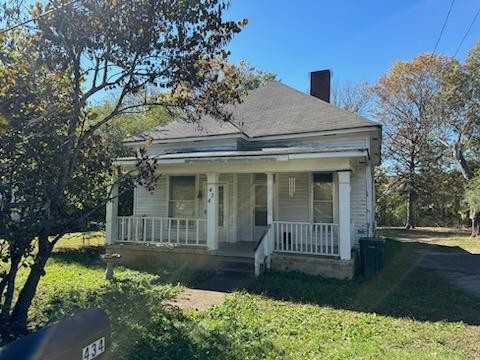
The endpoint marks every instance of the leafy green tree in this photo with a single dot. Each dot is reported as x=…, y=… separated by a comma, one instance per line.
x=252, y=77
x=52, y=164
x=127, y=125
x=472, y=198
x=391, y=204
x=143, y=119
x=459, y=130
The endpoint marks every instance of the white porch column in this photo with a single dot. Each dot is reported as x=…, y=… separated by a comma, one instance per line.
x=270, y=217
x=111, y=227
x=345, y=242
x=212, y=211
x=269, y=198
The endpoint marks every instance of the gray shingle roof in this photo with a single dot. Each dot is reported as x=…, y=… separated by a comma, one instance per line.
x=180, y=128
x=273, y=109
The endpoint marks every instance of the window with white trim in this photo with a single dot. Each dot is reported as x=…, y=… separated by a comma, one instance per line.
x=323, y=198
x=181, y=202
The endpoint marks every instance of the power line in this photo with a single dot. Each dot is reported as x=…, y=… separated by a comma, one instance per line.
x=36, y=18
x=468, y=30
x=443, y=26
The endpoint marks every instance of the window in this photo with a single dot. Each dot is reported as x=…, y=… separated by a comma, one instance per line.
x=323, y=198
x=260, y=205
x=181, y=202
x=260, y=178
x=221, y=205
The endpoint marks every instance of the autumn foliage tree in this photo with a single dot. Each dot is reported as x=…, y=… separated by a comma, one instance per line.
x=355, y=97
x=430, y=107
x=52, y=171
x=408, y=107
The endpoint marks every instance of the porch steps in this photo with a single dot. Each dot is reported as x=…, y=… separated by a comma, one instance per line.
x=236, y=266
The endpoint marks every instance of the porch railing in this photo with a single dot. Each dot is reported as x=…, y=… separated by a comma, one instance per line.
x=164, y=230
x=263, y=250
x=305, y=238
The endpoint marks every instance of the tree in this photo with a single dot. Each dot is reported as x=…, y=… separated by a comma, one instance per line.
x=143, y=119
x=390, y=204
x=252, y=77
x=459, y=130
x=52, y=172
x=354, y=97
x=407, y=105
x=129, y=124
x=472, y=198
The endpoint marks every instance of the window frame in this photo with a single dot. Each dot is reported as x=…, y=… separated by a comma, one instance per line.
x=334, y=196
x=169, y=200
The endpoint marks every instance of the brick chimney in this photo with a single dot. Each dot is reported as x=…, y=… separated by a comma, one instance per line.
x=320, y=84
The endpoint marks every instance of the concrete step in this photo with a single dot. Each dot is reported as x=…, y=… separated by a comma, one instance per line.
x=234, y=265
x=236, y=259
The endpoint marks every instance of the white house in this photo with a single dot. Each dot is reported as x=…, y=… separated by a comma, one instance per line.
x=286, y=184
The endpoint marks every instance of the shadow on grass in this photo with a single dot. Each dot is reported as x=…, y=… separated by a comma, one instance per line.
x=90, y=257
x=144, y=327
x=403, y=289
x=86, y=256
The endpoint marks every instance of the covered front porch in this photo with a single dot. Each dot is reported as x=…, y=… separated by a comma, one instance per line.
x=255, y=215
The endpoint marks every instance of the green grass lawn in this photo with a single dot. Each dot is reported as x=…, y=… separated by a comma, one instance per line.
x=435, y=236
x=405, y=313
x=78, y=240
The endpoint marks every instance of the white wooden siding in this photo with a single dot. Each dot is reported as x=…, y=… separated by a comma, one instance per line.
x=296, y=208
x=353, y=141
x=189, y=146
x=358, y=203
x=153, y=203
x=244, y=211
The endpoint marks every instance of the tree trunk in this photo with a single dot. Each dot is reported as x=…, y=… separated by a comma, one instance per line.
x=461, y=162
x=9, y=287
x=467, y=175
x=18, y=319
x=476, y=224
x=411, y=210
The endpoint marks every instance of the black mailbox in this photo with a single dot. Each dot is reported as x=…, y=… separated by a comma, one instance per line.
x=84, y=337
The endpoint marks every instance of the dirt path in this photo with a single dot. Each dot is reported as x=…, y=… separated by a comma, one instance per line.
x=196, y=299
x=210, y=292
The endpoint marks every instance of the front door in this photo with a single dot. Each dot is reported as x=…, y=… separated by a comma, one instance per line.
x=259, y=210
x=222, y=211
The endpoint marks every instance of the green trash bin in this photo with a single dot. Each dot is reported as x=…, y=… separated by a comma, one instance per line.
x=371, y=256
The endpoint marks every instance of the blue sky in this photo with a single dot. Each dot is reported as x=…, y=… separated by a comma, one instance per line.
x=357, y=40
